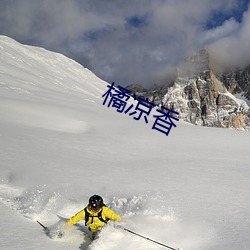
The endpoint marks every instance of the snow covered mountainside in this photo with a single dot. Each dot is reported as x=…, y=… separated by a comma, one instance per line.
x=59, y=145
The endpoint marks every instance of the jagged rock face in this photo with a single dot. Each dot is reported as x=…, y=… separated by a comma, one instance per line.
x=237, y=81
x=201, y=98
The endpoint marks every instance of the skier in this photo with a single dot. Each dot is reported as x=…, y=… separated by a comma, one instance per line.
x=95, y=214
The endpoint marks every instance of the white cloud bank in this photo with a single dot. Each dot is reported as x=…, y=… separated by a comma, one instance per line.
x=129, y=41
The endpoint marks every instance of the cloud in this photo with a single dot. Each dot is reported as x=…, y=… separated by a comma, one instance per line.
x=228, y=28
x=124, y=41
x=233, y=49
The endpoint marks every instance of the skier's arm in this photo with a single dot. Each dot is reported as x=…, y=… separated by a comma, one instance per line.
x=77, y=217
x=110, y=214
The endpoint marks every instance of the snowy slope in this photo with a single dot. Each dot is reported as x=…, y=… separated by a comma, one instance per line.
x=59, y=145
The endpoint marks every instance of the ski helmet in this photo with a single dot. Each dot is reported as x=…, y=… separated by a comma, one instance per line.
x=95, y=202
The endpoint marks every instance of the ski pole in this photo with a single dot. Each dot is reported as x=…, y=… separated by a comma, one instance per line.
x=45, y=228
x=146, y=238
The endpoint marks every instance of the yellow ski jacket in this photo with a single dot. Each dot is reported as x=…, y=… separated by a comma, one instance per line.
x=94, y=223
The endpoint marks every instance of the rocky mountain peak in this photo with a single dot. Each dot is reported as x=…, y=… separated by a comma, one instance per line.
x=197, y=64
x=203, y=97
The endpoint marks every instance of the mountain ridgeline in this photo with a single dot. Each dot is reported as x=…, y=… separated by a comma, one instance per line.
x=203, y=96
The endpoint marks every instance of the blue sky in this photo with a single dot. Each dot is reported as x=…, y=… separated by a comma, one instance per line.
x=131, y=41
x=218, y=17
